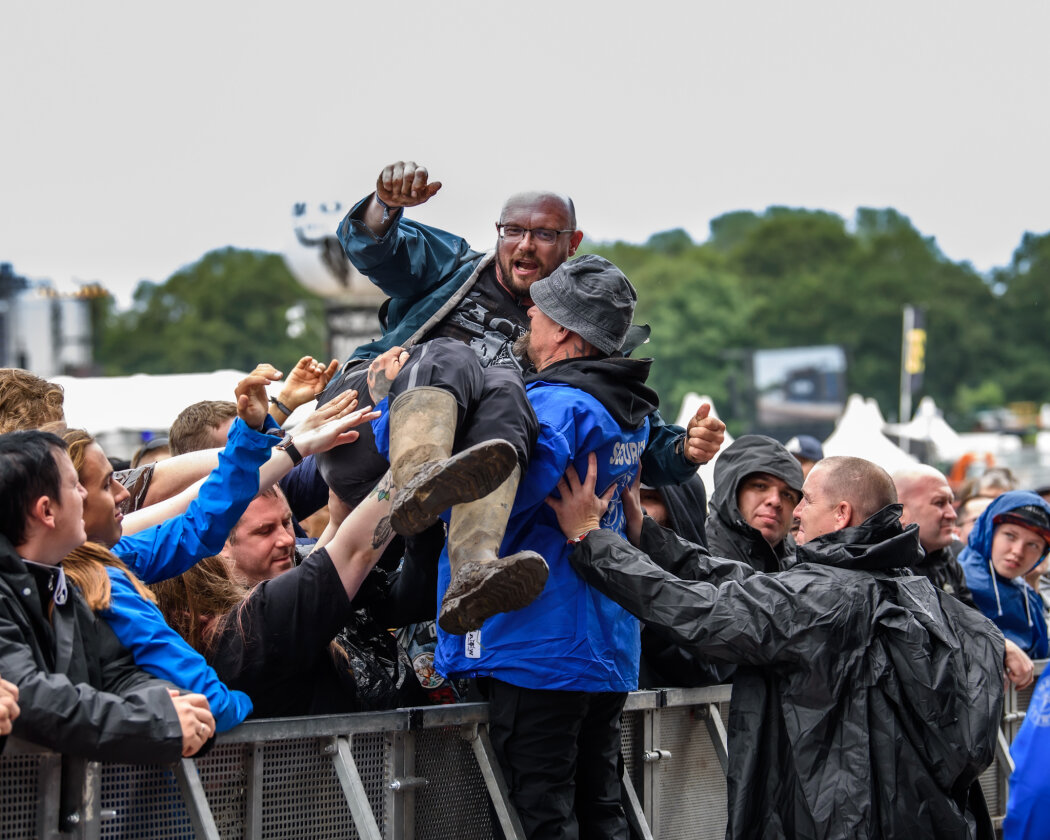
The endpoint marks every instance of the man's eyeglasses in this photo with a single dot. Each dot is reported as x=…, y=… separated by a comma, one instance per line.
x=515, y=233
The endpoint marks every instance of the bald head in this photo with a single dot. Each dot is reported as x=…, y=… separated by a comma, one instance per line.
x=927, y=500
x=550, y=201
x=537, y=234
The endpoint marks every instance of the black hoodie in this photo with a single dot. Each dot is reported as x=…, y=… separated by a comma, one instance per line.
x=616, y=382
x=728, y=534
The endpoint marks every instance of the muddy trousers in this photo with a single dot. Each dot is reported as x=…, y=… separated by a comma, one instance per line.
x=559, y=752
x=491, y=403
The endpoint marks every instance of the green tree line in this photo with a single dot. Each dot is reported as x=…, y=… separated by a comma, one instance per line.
x=781, y=278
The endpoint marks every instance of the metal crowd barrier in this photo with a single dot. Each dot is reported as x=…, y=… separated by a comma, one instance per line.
x=408, y=774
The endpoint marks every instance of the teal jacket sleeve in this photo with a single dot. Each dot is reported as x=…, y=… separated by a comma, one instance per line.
x=172, y=547
x=409, y=261
x=662, y=463
x=160, y=651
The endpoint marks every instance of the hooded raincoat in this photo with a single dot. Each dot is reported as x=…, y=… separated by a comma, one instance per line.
x=728, y=534
x=1012, y=604
x=865, y=703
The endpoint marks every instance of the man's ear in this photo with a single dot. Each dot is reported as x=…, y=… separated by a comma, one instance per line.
x=843, y=515
x=43, y=511
x=574, y=241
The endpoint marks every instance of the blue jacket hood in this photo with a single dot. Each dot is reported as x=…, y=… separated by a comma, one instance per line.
x=984, y=529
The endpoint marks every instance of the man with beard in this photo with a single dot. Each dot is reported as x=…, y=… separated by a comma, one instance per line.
x=557, y=670
x=866, y=702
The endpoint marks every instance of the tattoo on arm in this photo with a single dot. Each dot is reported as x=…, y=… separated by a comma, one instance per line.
x=382, y=533
x=384, y=487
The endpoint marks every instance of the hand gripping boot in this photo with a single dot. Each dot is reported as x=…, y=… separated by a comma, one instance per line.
x=483, y=583
x=428, y=479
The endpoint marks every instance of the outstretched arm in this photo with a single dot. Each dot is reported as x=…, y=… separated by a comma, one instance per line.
x=362, y=537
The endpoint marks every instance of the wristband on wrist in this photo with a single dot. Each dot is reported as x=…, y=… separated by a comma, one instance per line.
x=281, y=406
x=287, y=445
x=386, y=208
x=579, y=539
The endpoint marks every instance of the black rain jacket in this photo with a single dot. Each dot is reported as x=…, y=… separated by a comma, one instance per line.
x=80, y=691
x=728, y=535
x=865, y=703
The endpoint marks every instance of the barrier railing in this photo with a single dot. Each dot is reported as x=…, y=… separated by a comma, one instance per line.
x=408, y=774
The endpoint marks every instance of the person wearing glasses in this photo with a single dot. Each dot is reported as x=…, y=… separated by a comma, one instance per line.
x=467, y=309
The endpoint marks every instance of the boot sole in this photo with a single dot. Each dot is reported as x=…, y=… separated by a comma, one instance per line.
x=480, y=590
x=468, y=475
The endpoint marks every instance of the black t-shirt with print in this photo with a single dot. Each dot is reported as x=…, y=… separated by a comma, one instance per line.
x=489, y=318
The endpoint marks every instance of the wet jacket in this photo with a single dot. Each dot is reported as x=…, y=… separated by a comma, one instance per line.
x=944, y=572
x=1012, y=604
x=728, y=535
x=865, y=703
x=427, y=272
x=1026, y=809
x=571, y=637
x=79, y=689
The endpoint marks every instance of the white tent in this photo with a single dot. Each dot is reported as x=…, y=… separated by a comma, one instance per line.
x=118, y=409
x=859, y=433
x=142, y=401
x=690, y=403
x=928, y=425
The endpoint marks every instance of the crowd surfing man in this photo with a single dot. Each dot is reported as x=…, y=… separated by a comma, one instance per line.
x=440, y=287
x=1010, y=539
x=79, y=690
x=557, y=671
x=865, y=703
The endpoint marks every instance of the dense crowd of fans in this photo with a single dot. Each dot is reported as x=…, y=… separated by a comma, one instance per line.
x=495, y=527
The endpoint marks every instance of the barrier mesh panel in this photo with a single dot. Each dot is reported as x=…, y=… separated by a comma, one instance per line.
x=224, y=776
x=632, y=746
x=19, y=791
x=455, y=802
x=144, y=801
x=302, y=797
x=690, y=786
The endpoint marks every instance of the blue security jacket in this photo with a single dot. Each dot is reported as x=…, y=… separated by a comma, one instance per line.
x=169, y=549
x=426, y=272
x=1013, y=605
x=571, y=637
x=1026, y=810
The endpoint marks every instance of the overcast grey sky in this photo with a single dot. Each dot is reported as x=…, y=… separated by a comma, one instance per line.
x=137, y=136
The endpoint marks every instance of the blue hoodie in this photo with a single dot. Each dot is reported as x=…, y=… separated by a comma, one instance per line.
x=1012, y=604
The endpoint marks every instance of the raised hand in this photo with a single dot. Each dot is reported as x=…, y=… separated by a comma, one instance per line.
x=405, y=184
x=703, y=436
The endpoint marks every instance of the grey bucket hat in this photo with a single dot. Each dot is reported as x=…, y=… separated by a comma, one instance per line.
x=591, y=297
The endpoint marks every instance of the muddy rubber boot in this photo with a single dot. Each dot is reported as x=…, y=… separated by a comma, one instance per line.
x=483, y=583
x=428, y=479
